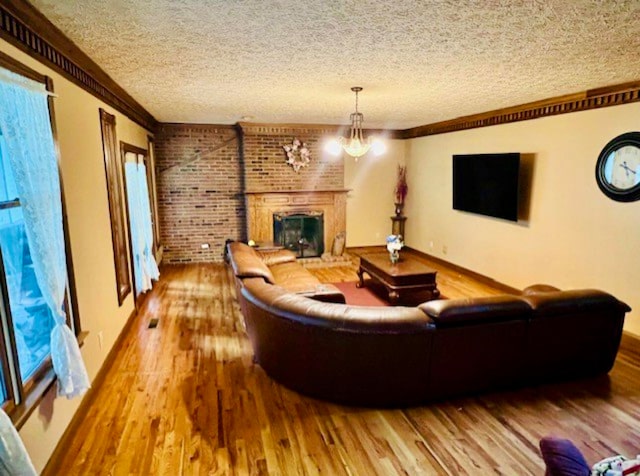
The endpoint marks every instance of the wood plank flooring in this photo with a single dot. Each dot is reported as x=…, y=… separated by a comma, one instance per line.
x=186, y=399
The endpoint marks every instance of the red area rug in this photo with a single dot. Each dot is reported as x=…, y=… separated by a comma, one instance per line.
x=360, y=296
x=374, y=294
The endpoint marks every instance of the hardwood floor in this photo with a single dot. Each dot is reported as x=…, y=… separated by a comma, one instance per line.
x=186, y=399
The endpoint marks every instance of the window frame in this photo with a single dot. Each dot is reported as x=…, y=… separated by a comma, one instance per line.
x=153, y=194
x=126, y=148
x=24, y=397
x=117, y=204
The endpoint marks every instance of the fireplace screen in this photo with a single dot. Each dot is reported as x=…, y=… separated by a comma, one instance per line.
x=300, y=232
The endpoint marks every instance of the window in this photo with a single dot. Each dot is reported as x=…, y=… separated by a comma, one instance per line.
x=138, y=198
x=35, y=294
x=27, y=320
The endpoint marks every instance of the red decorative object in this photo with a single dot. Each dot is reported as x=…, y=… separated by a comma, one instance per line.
x=401, y=185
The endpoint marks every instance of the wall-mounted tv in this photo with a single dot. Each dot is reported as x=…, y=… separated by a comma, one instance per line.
x=487, y=184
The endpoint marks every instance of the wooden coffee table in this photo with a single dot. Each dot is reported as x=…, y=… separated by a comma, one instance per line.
x=408, y=275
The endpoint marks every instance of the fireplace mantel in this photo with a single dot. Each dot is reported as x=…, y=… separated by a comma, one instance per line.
x=261, y=205
x=271, y=192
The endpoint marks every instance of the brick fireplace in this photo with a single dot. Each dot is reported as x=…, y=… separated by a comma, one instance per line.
x=263, y=205
x=273, y=187
x=226, y=182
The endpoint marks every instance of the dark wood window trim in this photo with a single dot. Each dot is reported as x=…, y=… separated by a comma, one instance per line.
x=7, y=62
x=153, y=194
x=31, y=393
x=115, y=181
x=124, y=148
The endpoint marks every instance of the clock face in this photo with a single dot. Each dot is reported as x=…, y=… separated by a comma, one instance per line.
x=622, y=167
x=618, y=168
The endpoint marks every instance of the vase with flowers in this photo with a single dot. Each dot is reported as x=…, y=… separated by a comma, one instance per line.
x=401, y=189
x=394, y=245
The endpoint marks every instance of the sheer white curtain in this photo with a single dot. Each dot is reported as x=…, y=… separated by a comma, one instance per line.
x=145, y=266
x=14, y=459
x=25, y=125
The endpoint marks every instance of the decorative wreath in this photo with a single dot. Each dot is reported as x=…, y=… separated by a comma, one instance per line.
x=298, y=155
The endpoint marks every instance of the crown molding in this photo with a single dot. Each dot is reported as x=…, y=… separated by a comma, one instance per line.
x=256, y=128
x=193, y=126
x=23, y=26
x=274, y=129
x=591, y=99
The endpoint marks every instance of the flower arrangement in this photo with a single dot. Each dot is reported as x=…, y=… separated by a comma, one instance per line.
x=298, y=155
x=394, y=243
x=402, y=188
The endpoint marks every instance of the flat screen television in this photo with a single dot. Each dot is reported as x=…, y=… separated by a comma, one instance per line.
x=487, y=184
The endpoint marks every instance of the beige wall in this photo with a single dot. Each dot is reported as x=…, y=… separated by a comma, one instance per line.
x=372, y=181
x=85, y=191
x=574, y=237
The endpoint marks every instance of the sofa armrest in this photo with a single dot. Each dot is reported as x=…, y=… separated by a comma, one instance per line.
x=562, y=302
x=246, y=263
x=457, y=312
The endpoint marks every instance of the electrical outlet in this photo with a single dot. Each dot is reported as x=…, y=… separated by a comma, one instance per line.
x=377, y=234
x=444, y=249
x=204, y=246
x=431, y=244
x=100, y=340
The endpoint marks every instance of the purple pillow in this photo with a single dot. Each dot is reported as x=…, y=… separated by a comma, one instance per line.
x=563, y=458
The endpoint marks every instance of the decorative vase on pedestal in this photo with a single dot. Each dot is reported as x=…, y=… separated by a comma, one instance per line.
x=394, y=256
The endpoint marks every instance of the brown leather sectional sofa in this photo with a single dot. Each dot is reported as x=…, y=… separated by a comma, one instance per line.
x=396, y=356
x=278, y=267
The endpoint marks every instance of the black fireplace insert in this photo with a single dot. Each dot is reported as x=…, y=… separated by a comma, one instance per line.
x=300, y=232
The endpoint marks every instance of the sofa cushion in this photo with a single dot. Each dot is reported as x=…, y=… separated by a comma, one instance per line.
x=455, y=312
x=539, y=288
x=246, y=263
x=274, y=257
x=294, y=277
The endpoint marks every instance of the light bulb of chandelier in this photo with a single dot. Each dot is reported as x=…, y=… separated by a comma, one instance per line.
x=378, y=147
x=355, y=148
x=355, y=144
x=333, y=147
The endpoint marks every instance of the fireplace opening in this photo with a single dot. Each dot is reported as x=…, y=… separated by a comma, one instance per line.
x=300, y=232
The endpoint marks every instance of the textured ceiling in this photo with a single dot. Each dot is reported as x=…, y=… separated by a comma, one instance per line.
x=294, y=61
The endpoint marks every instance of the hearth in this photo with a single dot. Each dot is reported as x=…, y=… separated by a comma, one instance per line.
x=300, y=232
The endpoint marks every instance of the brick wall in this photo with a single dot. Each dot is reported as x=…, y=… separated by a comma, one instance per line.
x=202, y=174
x=265, y=161
x=200, y=184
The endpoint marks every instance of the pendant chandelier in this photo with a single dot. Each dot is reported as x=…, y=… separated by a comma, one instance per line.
x=356, y=146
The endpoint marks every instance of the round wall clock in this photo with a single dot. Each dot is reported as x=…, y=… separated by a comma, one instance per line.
x=618, y=168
